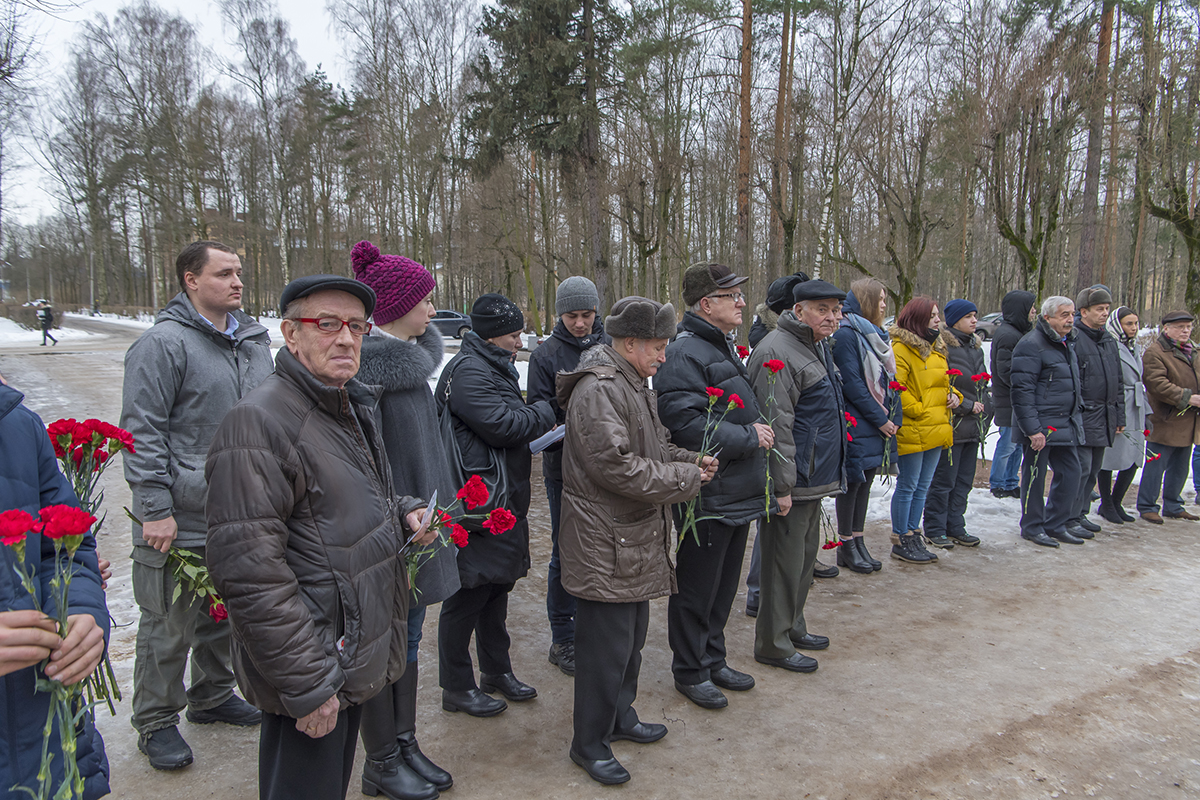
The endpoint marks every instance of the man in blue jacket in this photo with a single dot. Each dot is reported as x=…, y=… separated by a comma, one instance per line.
x=30, y=481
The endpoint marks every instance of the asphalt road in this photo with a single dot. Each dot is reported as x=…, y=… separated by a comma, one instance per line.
x=1007, y=671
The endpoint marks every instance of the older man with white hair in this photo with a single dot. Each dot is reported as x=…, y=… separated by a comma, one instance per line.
x=1048, y=410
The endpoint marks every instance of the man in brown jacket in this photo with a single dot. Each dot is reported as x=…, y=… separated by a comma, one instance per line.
x=303, y=536
x=620, y=472
x=1171, y=373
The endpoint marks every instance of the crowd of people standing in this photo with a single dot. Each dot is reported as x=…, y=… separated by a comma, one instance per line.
x=307, y=485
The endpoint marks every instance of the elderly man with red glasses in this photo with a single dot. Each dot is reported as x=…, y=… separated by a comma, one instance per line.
x=303, y=542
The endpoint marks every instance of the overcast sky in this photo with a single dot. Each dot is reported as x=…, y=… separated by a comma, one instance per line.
x=25, y=199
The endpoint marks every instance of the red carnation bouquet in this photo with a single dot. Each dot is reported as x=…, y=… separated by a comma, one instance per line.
x=471, y=496
x=706, y=449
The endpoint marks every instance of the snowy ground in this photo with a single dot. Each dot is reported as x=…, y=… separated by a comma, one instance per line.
x=13, y=334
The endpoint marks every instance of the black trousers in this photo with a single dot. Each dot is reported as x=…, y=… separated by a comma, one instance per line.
x=608, y=657
x=292, y=764
x=708, y=575
x=1090, y=461
x=1041, y=514
x=946, y=502
x=482, y=610
x=851, y=506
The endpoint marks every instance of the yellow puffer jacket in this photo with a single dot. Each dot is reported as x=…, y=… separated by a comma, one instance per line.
x=922, y=368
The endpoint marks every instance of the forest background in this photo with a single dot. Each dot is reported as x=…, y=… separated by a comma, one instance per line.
x=959, y=148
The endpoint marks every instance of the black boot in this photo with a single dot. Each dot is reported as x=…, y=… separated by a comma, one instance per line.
x=405, y=700
x=1109, y=513
x=849, y=557
x=861, y=543
x=1121, y=484
x=392, y=778
x=905, y=548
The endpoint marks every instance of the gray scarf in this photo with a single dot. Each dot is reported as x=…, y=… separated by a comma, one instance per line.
x=877, y=357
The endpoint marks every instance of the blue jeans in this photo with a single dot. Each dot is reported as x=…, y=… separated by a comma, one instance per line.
x=416, y=619
x=1166, y=474
x=1196, y=470
x=914, y=473
x=1006, y=464
x=560, y=605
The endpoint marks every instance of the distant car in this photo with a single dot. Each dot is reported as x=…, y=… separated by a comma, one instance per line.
x=452, y=323
x=987, y=325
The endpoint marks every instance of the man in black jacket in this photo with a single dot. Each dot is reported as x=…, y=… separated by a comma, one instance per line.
x=1103, y=398
x=578, y=329
x=709, y=561
x=1046, y=408
x=1019, y=313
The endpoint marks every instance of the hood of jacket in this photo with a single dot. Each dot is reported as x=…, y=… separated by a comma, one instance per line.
x=10, y=398
x=766, y=316
x=597, y=336
x=1014, y=308
x=952, y=338
x=1044, y=329
x=399, y=365
x=922, y=347
x=851, y=305
x=181, y=310
x=595, y=361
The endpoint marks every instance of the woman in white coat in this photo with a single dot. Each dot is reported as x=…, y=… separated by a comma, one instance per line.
x=1128, y=450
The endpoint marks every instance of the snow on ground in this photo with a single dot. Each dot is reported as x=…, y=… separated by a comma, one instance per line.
x=12, y=333
x=141, y=322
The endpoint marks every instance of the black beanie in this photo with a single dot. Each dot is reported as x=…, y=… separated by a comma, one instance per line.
x=495, y=315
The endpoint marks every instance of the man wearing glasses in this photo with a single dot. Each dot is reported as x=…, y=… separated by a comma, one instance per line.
x=709, y=562
x=304, y=536
x=201, y=356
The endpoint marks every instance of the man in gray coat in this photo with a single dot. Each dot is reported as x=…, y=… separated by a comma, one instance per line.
x=182, y=376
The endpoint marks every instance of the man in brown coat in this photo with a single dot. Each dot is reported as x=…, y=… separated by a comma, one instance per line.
x=620, y=472
x=1171, y=373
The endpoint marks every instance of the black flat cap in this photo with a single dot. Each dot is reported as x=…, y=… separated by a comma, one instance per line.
x=309, y=284
x=817, y=290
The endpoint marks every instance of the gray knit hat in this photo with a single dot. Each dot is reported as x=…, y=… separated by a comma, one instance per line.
x=640, y=318
x=576, y=293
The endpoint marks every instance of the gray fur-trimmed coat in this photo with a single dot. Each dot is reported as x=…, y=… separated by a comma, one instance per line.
x=409, y=422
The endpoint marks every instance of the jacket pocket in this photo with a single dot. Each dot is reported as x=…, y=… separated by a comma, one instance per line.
x=152, y=582
x=188, y=487
x=637, y=540
x=324, y=604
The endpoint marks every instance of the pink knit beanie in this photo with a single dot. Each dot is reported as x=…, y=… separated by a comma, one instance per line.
x=399, y=282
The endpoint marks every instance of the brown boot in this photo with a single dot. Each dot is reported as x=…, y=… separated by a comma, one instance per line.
x=1183, y=515
x=1152, y=516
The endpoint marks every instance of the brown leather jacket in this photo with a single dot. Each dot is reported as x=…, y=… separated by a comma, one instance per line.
x=620, y=473
x=1171, y=378
x=303, y=536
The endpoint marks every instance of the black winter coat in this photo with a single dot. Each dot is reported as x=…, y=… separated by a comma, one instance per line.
x=1015, y=308
x=865, y=450
x=699, y=357
x=1045, y=386
x=1100, y=384
x=964, y=352
x=479, y=386
x=559, y=353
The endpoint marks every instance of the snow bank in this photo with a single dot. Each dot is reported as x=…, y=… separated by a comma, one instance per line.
x=13, y=334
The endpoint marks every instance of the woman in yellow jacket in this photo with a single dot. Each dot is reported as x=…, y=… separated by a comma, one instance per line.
x=926, y=430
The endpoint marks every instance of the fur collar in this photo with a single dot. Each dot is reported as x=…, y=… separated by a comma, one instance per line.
x=950, y=339
x=767, y=317
x=398, y=365
x=914, y=342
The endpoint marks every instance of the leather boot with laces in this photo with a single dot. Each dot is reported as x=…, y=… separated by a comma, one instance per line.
x=904, y=548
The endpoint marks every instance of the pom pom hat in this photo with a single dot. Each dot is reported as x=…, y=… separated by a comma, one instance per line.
x=399, y=283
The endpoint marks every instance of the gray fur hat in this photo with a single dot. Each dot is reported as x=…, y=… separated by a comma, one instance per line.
x=640, y=318
x=576, y=293
x=1092, y=296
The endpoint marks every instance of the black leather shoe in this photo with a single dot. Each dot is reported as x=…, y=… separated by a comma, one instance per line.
x=823, y=571
x=999, y=493
x=705, y=695
x=642, y=733
x=609, y=771
x=729, y=678
x=395, y=780
x=1110, y=514
x=1015, y=494
x=419, y=763
x=849, y=557
x=1088, y=525
x=793, y=663
x=563, y=657
x=861, y=544
x=751, y=611
x=508, y=686
x=1040, y=538
x=811, y=641
x=165, y=748
x=234, y=711
x=1080, y=532
x=472, y=701
x=1066, y=537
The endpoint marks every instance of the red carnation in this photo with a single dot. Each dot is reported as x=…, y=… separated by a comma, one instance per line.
x=955, y=372
x=216, y=610
x=61, y=521
x=1146, y=432
x=1051, y=428
x=14, y=524
x=983, y=376
x=500, y=521
x=473, y=493
x=743, y=351
x=713, y=391
x=734, y=400
x=774, y=365
x=459, y=535
x=850, y=419
x=831, y=545
x=849, y=438
x=897, y=387
x=441, y=519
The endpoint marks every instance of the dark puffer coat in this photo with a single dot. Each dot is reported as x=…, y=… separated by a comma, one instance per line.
x=699, y=357
x=865, y=451
x=1100, y=385
x=964, y=352
x=1015, y=308
x=559, y=353
x=479, y=387
x=409, y=426
x=30, y=481
x=303, y=543
x=1045, y=386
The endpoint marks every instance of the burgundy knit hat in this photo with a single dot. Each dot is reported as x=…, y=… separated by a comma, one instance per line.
x=399, y=282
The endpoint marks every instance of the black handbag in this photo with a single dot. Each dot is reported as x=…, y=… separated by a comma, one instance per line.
x=494, y=474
